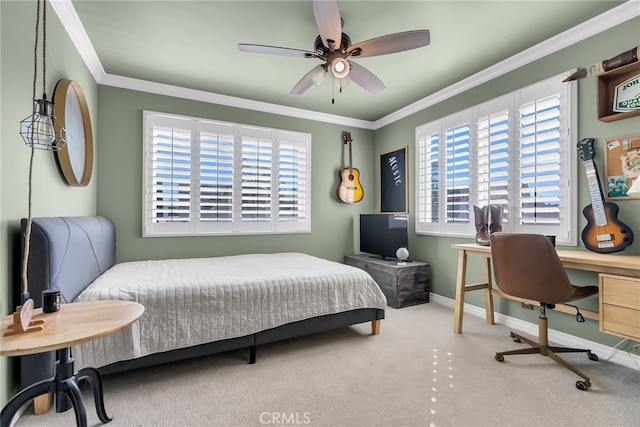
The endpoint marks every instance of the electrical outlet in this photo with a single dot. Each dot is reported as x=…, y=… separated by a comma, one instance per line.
x=525, y=305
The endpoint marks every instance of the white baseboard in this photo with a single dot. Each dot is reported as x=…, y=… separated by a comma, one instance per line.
x=615, y=355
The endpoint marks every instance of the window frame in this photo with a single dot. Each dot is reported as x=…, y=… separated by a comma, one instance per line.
x=278, y=220
x=566, y=231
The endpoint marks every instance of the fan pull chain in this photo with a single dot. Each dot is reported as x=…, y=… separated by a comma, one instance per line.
x=333, y=90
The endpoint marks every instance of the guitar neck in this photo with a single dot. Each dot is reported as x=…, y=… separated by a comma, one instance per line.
x=350, y=161
x=595, y=191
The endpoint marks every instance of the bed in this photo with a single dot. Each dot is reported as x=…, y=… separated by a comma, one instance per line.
x=193, y=307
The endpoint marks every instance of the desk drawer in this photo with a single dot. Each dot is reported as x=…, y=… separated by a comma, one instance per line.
x=620, y=290
x=621, y=321
x=620, y=305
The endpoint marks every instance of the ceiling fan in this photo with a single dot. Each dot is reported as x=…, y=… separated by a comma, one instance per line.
x=334, y=48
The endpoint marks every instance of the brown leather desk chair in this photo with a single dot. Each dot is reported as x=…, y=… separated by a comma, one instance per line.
x=527, y=266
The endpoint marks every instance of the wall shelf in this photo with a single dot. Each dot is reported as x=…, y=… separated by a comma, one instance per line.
x=607, y=82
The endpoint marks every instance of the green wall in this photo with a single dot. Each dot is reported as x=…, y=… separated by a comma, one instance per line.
x=51, y=196
x=437, y=250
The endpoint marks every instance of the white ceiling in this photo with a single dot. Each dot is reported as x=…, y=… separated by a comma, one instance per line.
x=194, y=45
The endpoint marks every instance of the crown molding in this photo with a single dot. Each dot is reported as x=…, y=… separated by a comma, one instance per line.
x=79, y=37
x=229, y=101
x=74, y=28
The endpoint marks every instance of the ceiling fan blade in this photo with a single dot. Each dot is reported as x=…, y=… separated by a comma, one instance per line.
x=327, y=13
x=274, y=50
x=390, y=43
x=313, y=77
x=365, y=78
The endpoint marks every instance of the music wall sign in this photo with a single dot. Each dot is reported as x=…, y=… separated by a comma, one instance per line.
x=394, y=181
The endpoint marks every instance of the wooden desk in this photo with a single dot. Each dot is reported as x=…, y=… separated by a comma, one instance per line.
x=74, y=324
x=627, y=266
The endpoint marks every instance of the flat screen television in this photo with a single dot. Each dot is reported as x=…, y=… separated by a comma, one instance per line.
x=382, y=234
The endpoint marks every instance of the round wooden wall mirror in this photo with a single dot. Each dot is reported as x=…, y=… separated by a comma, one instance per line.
x=72, y=113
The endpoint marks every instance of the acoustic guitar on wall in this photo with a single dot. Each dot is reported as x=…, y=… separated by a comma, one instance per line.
x=604, y=233
x=350, y=190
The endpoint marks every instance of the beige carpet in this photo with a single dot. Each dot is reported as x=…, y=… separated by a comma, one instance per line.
x=415, y=373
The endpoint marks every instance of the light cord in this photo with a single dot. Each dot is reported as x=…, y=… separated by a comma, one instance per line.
x=27, y=236
x=44, y=46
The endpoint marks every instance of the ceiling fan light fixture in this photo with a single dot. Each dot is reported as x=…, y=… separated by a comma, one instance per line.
x=333, y=48
x=340, y=67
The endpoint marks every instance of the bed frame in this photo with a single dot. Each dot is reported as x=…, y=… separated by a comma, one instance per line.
x=69, y=253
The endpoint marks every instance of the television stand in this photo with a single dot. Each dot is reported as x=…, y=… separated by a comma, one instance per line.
x=403, y=284
x=381, y=257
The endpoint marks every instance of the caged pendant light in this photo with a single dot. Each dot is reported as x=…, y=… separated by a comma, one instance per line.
x=39, y=129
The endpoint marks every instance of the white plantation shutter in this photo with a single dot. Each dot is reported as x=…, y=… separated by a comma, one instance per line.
x=523, y=158
x=457, y=139
x=539, y=164
x=168, y=175
x=217, y=182
x=171, y=174
x=292, y=180
x=257, y=176
x=492, y=160
x=204, y=177
x=428, y=177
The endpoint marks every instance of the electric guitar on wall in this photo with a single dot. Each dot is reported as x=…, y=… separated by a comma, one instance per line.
x=350, y=190
x=603, y=233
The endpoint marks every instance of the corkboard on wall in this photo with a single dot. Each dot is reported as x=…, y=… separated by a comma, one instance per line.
x=622, y=167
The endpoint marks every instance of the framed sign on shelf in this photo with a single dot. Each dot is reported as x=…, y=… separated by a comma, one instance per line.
x=394, y=181
x=622, y=167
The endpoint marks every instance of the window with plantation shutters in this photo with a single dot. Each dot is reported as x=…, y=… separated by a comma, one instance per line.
x=517, y=151
x=212, y=178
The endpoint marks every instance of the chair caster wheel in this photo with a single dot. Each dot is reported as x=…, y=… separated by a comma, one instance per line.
x=515, y=338
x=592, y=356
x=582, y=385
x=499, y=358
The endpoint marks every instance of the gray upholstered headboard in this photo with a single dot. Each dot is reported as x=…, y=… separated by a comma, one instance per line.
x=68, y=253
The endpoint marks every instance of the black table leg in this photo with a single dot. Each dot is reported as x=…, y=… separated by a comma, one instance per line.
x=23, y=397
x=69, y=389
x=93, y=377
x=64, y=371
x=65, y=388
